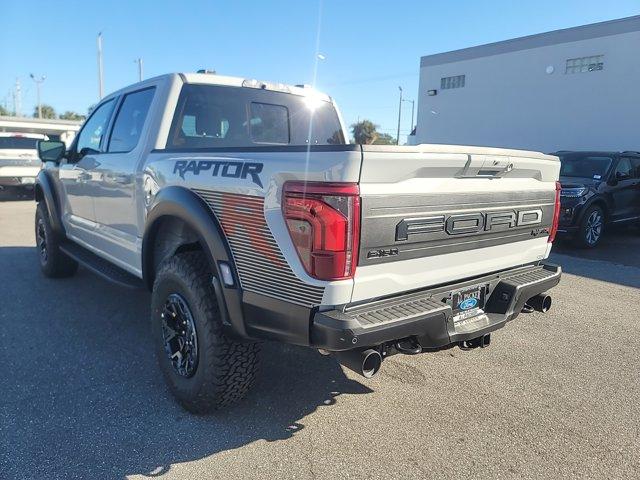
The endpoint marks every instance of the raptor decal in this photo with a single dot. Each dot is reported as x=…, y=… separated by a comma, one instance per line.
x=222, y=168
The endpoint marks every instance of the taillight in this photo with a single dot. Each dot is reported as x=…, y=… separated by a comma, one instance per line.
x=324, y=223
x=556, y=215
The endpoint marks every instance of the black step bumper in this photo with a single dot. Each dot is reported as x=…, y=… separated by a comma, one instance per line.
x=426, y=316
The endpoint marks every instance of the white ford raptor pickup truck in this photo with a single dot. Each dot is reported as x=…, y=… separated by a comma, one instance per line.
x=240, y=205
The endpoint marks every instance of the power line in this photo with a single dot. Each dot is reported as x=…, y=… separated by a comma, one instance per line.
x=373, y=79
x=392, y=130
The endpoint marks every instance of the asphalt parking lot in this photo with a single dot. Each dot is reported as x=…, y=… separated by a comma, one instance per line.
x=554, y=396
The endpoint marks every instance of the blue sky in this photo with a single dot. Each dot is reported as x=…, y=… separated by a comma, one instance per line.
x=370, y=47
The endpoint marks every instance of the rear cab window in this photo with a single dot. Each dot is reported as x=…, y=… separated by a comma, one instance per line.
x=213, y=116
x=269, y=123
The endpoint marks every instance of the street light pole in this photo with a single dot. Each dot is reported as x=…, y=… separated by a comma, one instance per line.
x=139, y=62
x=38, y=83
x=413, y=104
x=100, y=85
x=17, y=99
x=399, y=116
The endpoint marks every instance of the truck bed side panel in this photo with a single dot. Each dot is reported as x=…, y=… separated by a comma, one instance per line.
x=243, y=188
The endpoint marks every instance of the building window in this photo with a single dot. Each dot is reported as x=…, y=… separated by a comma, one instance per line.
x=452, y=82
x=585, y=64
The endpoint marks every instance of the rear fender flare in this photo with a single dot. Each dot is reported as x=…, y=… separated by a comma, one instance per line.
x=182, y=203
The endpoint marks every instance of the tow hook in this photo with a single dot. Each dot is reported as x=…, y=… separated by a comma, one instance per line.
x=527, y=308
x=482, y=342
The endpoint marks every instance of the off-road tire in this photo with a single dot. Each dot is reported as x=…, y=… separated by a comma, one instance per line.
x=53, y=262
x=226, y=369
x=587, y=236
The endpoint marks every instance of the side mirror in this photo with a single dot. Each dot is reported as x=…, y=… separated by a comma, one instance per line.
x=622, y=176
x=51, y=150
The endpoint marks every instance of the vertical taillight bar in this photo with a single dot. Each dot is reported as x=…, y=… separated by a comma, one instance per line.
x=556, y=214
x=323, y=220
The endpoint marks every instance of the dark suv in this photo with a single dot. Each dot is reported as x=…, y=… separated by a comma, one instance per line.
x=598, y=189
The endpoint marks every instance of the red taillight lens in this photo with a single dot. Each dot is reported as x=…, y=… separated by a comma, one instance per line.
x=556, y=215
x=324, y=223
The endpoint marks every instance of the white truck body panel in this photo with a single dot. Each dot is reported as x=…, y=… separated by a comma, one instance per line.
x=115, y=225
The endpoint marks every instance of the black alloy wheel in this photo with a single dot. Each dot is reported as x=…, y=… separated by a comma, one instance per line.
x=180, y=336
x=41, y=240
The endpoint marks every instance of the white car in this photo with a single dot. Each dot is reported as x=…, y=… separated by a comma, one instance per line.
x=19, y=162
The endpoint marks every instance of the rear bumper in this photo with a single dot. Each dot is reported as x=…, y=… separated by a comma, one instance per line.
x=425, y=315
x=18, y=175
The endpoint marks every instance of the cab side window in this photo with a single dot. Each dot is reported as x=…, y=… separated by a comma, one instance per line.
x=624, y=168
x=130, y=119
x=635, y=164
x=90, y=138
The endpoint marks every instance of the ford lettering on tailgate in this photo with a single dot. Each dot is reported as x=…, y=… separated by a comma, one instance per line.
x=467, y=223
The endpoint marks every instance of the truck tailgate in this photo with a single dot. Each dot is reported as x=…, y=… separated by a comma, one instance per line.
x=433, y=214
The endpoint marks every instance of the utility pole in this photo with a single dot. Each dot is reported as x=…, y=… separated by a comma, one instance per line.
x=399, y=116
x=100, y=84
x=139, y=62
x=38, y=83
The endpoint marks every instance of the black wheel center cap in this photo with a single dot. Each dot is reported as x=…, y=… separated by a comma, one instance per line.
x=179, y=335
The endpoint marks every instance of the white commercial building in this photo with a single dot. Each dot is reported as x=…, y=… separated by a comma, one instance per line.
x=572, y=89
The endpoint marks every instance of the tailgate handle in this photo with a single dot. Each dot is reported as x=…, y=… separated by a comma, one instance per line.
x=495, y=170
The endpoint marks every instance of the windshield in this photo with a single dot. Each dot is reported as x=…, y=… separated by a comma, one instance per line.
x=580, y=165
x=18, y=143
x=215, y=116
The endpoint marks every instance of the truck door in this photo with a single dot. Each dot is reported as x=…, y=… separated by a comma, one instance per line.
x=625, y=190
x=77, y=172
x=635, y=164
x=119, y=181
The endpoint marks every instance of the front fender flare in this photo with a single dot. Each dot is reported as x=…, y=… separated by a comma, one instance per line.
x=45, y=190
